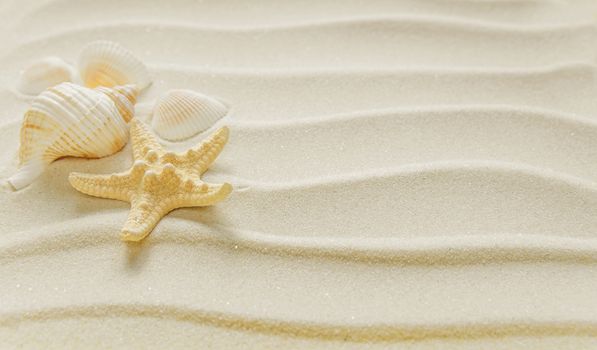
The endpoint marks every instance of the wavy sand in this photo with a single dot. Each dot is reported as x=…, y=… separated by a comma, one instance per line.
x=413, y=42
x=410, y=174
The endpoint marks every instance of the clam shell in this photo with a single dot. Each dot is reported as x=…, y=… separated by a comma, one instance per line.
x=106, y=63
x=44, y=73
x=70, y=120
x=181, y=114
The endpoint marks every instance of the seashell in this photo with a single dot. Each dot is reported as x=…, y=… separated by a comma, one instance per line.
x=181, y=114
x=45, y=73
x=106, y=63
x=71, y=120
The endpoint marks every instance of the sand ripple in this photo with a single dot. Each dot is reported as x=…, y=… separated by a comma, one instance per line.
x=63, y=14
x=406, y=172
x=363, y=43
x=328, y=332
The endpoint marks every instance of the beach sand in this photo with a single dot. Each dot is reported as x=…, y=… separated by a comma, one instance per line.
x=408, y=174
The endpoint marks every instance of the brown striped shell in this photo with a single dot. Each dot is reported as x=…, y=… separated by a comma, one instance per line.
x=71, y=120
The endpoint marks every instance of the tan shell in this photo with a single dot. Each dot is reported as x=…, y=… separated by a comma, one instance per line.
x=71, y=120
x=106, y=63
x=181, y=114
x=45, y=73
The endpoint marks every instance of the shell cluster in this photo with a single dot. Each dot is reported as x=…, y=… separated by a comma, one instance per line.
x=67, y=119
x=92, y=121
x=100, y=63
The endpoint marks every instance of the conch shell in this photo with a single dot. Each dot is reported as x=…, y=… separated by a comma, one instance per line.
x=181, y=114
x=106, y=63
x=71, y=120
x=45, y=73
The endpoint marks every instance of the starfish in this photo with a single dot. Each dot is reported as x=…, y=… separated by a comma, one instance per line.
x=159, y=181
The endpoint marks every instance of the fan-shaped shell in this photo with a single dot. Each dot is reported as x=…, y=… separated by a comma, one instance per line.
x=106, y=63
x=71, y=120
x=44, y=73
x=181, y=114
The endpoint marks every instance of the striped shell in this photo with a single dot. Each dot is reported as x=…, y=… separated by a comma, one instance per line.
x=181, y=114
x=45, y=73
x=106, y=63
x=71, y=120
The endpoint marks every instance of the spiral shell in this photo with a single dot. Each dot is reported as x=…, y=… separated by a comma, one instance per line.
x=181, y=114
x=45, y=73
x=71, y=120
x=106, y=63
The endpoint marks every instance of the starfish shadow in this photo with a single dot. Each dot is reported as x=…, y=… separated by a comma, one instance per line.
x=204, y=222
x=137, y=255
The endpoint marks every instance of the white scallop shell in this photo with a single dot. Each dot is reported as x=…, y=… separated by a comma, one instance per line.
x=45, y=73
x=181, y=114
x=106, y=63
x=71, y=120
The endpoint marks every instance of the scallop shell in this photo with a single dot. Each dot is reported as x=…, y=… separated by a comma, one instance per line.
x=45, y=73
x=181, y=114
x=106, y=63
x=71, y=120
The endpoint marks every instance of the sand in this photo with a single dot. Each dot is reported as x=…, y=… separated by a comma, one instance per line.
x=408, y=174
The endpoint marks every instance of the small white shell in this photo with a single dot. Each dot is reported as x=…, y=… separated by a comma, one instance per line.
x=106, y=63
x=71, y=120
x=44, y=73
x=181, y=114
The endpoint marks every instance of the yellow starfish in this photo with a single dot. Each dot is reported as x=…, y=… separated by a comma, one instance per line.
x=159, y=181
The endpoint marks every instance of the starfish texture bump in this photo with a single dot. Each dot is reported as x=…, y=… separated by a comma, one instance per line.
x=159, y=181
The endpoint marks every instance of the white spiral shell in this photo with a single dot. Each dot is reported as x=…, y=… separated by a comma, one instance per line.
x=45, y=73
x=106, y=63
x=181, y=114
x=71, y=120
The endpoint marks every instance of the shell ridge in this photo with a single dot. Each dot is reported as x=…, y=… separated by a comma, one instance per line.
x=182, y=114
x=67, y=120
x=89, y=124
x=123, y=97
x=106, y=63
x=70, y=139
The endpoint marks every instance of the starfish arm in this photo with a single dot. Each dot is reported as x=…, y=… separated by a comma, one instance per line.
x=142, y=140
x=204, y=154
x=104, y=186
x=205, y=195
x=143, y=218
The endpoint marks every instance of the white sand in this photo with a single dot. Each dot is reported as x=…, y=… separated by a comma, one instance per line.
x=408, y=174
